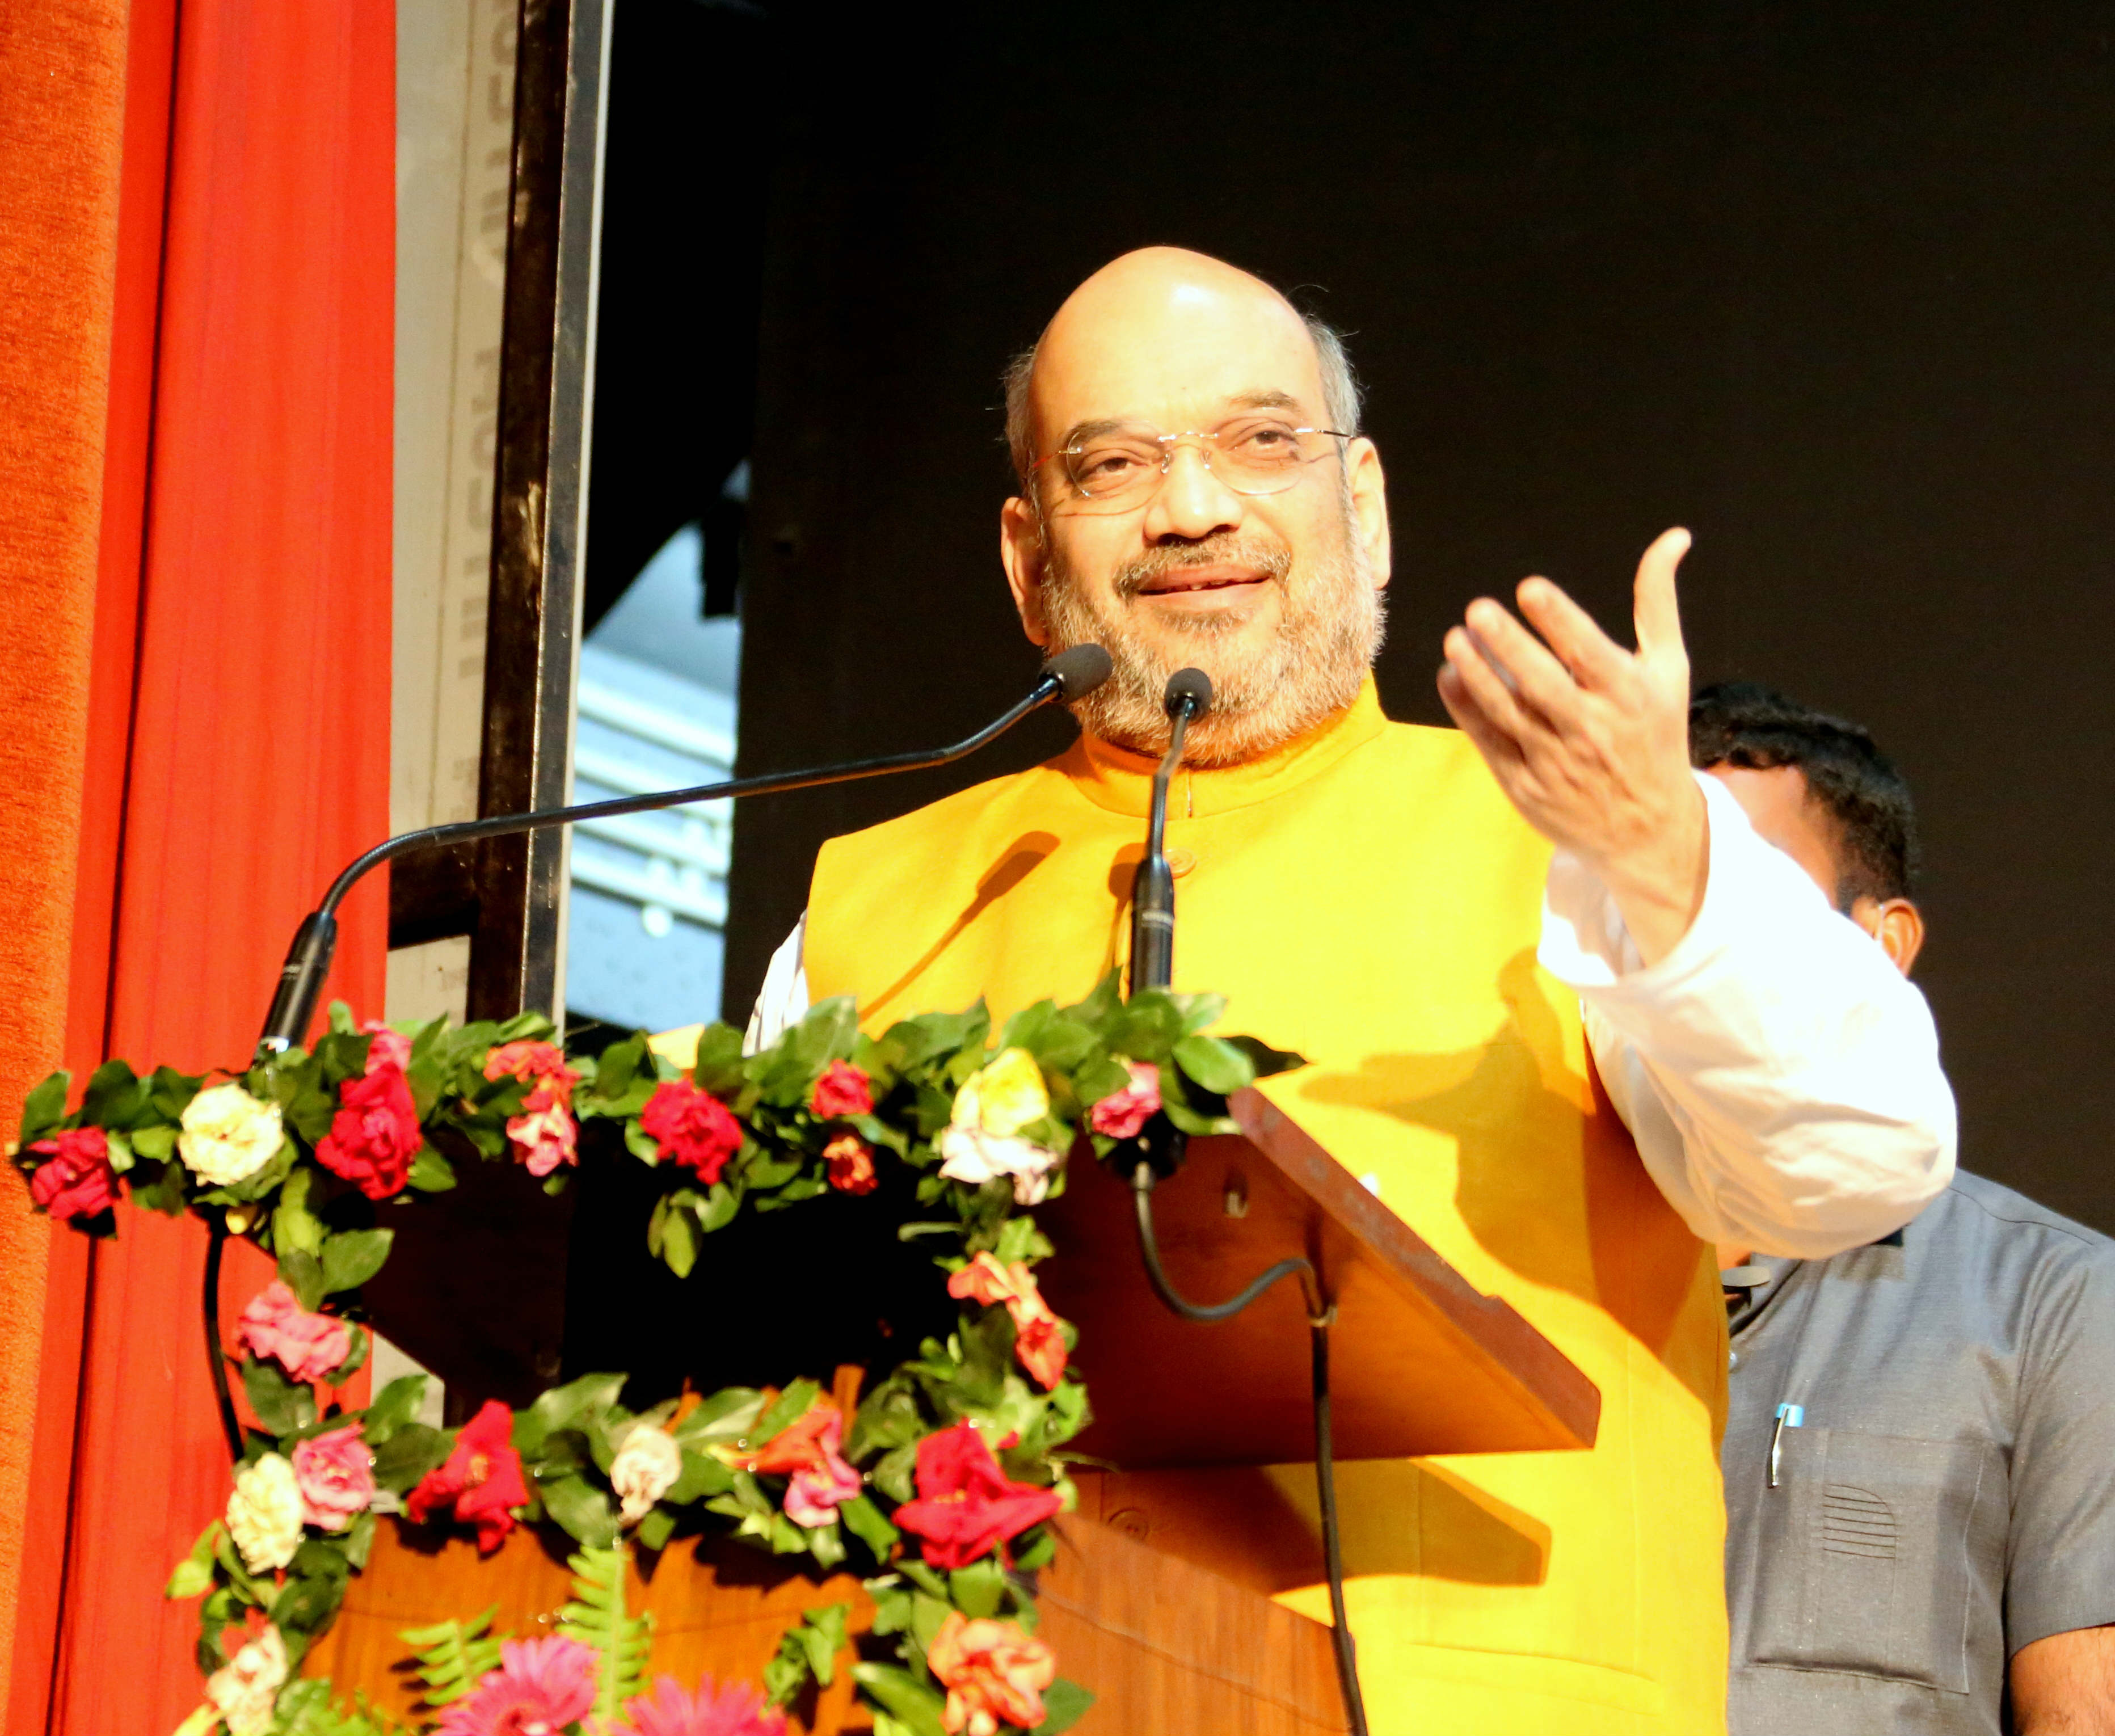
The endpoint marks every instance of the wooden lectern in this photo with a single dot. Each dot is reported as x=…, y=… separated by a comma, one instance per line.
x=1164, y=1612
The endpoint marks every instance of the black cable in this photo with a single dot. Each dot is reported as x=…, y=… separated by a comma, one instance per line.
x=1319, y=1317
x=217, y=1234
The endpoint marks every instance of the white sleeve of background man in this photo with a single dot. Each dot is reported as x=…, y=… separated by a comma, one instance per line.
x=1780, y=1076
x=782, y=1002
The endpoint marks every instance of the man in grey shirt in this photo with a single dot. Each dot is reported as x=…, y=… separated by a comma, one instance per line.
x=1919, y=1452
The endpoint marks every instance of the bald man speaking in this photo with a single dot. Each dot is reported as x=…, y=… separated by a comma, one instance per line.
x=1569, y=1015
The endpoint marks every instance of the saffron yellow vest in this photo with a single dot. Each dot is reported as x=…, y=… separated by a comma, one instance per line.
x=1368, y=897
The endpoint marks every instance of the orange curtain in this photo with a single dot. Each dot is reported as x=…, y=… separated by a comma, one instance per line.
x=61, y=97
x=237, y=753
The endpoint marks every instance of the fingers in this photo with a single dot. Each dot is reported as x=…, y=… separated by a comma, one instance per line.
x=1485, y=686
x=1655, y=611
x=1496, y=747
x=1537, y=677
x=1594, y=660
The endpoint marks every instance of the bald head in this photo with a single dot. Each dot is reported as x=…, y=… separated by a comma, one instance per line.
x=1164, y=324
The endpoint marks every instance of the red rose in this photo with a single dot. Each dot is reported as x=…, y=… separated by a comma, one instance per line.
x=375, y=1135
x=691, y=1127
x=843, y=1090
x=481, y=1481
x=850, y=1161
x=77, y=1182
x=965, y=1506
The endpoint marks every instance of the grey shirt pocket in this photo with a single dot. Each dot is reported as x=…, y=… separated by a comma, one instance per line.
x=1862, y=1566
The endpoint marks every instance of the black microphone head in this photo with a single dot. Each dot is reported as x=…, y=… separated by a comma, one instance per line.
x=1188, y=687
x=1079, y=671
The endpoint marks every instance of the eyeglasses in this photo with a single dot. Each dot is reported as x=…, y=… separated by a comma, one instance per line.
x=1117, y=469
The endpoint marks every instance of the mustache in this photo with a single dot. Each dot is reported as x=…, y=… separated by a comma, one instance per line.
x=1272, y=560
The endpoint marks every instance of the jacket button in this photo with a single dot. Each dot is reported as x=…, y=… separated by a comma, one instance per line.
x=1180, y=862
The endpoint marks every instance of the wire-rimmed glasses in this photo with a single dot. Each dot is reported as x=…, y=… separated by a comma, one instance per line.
x=1115, y=467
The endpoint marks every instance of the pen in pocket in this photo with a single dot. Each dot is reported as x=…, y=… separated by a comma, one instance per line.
x=1789, y=1417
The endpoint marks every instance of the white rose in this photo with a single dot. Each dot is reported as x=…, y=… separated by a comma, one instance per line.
x=245, y=1689
x=646, y=1468
x=264, y=1514
x=228, y=1135
x=971, y=1154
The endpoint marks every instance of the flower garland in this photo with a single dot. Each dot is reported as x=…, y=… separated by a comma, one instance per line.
x=942, y=1480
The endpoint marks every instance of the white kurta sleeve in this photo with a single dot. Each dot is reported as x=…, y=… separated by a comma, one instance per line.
x=1780, y=1077
x=782, y=1002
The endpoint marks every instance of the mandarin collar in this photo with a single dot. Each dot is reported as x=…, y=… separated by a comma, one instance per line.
x=1121, y=781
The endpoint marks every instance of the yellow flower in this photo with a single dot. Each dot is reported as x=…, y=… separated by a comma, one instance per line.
x=228, y=1135
x=1005, y=1097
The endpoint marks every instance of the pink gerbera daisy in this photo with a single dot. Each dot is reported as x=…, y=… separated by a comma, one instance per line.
x=733, y=1710
x=540, y=1688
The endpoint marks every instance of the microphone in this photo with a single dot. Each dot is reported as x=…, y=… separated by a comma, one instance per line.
x=1188, y=696
x=1070, y=675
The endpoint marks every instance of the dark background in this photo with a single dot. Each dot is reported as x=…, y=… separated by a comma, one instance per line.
x=1830, y=285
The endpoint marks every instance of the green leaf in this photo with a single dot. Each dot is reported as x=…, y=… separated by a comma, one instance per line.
x=431, y=1173
x=360, y=1541
x=564, y=1407
x=452, y=1655
x=975, y=1590
x=408, y=1454
x=303, y=1273
x=582, y=1510
x=168, y=1194
x=1064, y=1705
x=393, y=1406
x=114, y=1097
x=1216, y=1064
x=597, y=1617
x=157, y=1142
x=807, y=1650
x=719, y=1068
x=352, y=1257
x=280, y=1405
x=902, y=1696
x=679, y=1239
x=722, y=1203
x=45, y=1107
x=656, y=1528
x=728, y=1414
x=864, y=1520
x=194, y=1574
x=295, y=1229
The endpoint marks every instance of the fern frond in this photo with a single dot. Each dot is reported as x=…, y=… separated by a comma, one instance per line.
x=597, y=1617
x=453, y=1654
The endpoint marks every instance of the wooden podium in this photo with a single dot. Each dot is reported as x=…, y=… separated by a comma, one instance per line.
x=1165, y=1613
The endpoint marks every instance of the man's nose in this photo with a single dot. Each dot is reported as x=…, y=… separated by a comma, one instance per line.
x=1192, y=503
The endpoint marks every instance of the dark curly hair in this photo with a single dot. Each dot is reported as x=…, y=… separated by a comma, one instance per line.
x=1741, y=723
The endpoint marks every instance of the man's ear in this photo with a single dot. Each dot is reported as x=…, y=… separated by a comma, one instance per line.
x=1021, y=553
x=1369, y=512
x=1896, y=924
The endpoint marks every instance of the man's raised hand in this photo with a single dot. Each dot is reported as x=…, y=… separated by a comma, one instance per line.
x=1591, y=742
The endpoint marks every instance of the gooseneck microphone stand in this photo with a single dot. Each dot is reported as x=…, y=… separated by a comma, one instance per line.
x=1189, y=696
x=1070, y=675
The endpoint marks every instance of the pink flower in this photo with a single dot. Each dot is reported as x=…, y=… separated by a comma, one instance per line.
x=335, y=1472
x=545, y=1139
x=78, y=1181
x=806, y=1449
x=735, y=1709
x=540, y=1688
x=385, y=1048
x=1122, y=1113
x=849, y=1160
x=843, y=1090
x=542, y=1066
x=966, y=1507
x=375, y=1133
x=275, y=1328
x=481, y=1483
x=691, y=1127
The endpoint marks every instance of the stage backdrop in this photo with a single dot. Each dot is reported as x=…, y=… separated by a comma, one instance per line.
x=1828, y=284
x=236, y=752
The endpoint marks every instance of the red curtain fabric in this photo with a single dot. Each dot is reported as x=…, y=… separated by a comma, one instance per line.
x=240, y=721
x=61, y=97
